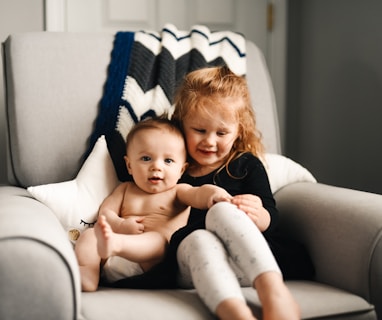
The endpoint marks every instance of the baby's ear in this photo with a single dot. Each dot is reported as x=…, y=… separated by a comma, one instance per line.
x=127, y=162
x=185, y=166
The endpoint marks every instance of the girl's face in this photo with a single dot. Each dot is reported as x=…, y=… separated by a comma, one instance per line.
x=210, y=136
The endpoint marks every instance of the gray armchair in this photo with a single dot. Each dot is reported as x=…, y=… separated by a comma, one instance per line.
x=54, y=82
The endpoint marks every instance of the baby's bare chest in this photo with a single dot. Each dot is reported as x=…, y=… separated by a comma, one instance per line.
x=157, y=209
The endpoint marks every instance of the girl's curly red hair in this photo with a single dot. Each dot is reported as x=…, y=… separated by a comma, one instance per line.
x=216, y=83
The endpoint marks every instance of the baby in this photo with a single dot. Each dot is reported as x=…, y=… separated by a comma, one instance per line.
x=137, y=220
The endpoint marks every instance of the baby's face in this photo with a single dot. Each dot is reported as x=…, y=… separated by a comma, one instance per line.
x=156, y=158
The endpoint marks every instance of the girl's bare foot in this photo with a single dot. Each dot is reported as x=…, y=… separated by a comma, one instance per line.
x=276, y=299
x=234, y=309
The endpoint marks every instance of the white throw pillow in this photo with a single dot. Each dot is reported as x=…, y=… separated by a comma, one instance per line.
x=283, y=171
x=76, y=202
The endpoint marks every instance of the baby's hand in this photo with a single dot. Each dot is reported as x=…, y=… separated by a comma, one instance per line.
x=132, y=225
x=219, y=196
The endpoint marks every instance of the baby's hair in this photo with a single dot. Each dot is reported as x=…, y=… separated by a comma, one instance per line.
x=214, y=83
x=157, y=122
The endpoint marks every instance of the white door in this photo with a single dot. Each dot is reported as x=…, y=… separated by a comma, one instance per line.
x=250, y=17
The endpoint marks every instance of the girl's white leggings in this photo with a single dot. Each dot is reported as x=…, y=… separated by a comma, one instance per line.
x=231, y=252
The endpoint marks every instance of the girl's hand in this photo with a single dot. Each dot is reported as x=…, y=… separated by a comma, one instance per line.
x=131, y=225
x=253, y=207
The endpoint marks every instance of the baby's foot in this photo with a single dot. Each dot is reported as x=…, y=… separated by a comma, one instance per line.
x=105, y=236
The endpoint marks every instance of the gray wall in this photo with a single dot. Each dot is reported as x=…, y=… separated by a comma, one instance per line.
x=334, y=102
x=15, y=16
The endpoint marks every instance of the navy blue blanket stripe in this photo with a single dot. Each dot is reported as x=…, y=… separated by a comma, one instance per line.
x=111, y=99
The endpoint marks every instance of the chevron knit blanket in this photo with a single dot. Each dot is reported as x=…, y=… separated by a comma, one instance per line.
x=145, y=69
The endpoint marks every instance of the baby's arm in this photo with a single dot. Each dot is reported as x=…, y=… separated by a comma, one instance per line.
x=111, y=208
x=202, y=197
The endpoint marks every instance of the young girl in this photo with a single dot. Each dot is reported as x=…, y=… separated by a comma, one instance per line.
x=224, y=248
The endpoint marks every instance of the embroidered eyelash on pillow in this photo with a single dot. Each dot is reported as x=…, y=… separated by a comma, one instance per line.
x=76, y=202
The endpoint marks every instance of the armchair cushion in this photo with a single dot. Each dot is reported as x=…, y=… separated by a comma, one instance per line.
x=76, y=202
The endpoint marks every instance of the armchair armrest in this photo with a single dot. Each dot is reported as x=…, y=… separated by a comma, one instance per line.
x=39, y=276
x=342, y=230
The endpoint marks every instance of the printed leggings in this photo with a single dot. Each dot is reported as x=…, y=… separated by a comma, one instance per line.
x=230, y=253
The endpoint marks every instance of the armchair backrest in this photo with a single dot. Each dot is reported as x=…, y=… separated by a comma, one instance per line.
x=53, y=86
